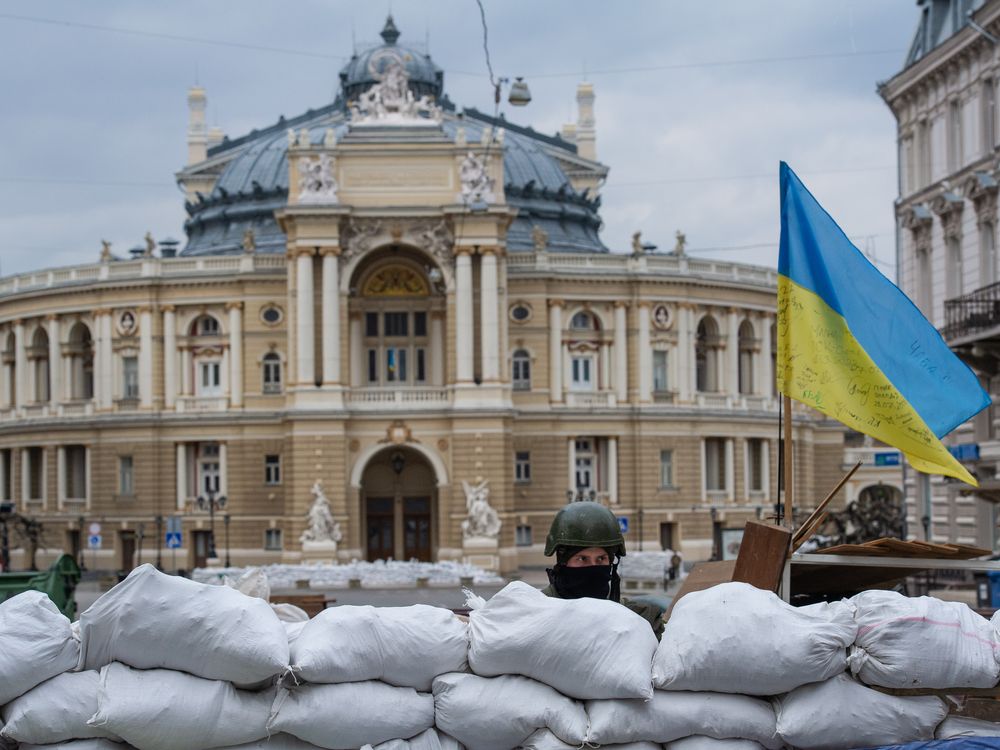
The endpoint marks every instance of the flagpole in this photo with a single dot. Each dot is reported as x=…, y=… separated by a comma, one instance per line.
x=788, y=453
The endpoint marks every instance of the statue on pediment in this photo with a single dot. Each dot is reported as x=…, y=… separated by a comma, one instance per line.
x=477, y=185
x=317, y=185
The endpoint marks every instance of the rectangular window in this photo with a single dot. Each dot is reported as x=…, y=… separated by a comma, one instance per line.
x=421, y=371
x=36, y=473
x=272, y=374
x=989, y=100
x=987, y=254
x=755, y=465
x=76, y=471
x=522, y=536
x=210, y=381
x=396, y=323
x=521, y=371
x=954, y=136
x=6, y=465
x=585, y=472
x=715, y=464
x=667, y=536
x=272, y=539
x=130, y=377
x=666, y=469
x=272, y=469
x=126, y=479
x=371, y=324
x=419, y=324
x=659, y=370
x=395, y=365
x=582, y=373
x=954, y=275
x=372, y=366
x=522, y=466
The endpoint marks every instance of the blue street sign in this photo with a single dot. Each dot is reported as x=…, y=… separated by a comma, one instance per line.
x=94, y=541
x=623, y=524
x=965, y=451
x=173, y=539
x=887, y=459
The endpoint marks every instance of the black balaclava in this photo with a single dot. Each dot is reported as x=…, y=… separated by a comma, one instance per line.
x=593, y=581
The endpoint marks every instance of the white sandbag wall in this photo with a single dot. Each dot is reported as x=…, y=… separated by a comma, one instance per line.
x=160, y=663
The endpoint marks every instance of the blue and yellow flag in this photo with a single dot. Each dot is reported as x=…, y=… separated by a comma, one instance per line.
x=853, y=346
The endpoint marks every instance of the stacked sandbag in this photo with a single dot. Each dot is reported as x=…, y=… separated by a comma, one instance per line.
x=962, y=726
x=921, y=642
x=584, y=648
x=56, y=711
x=500, y=713
x=92, y=744
x=543, y=739
x=841, y=713
x=152, y=620
x=36, y=644
x=697, y=742
x=429, y=740
x=734, y=638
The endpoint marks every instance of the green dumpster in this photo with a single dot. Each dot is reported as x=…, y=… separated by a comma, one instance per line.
x=59, y=582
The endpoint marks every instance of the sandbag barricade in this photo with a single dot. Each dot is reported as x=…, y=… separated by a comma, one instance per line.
x=499, y=713
x=584, y=648
x=720, y=639
x=963, y=726
x=921, y=642
x=429, y=740
x=56, y=711
x=36, y=643
x=697, y=742
x=227, y=635
x=543, y=739
x=93, y=744
x=403, y=646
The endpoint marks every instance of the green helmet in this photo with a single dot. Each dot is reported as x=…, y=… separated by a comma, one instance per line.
x=585, y=524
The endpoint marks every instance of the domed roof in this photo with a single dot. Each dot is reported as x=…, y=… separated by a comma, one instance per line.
x=366, y=68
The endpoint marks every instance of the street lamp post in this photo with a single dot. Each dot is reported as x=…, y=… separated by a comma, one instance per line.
x=142, y=533
x=225, y=518
x=211, y=502
x=159, y=542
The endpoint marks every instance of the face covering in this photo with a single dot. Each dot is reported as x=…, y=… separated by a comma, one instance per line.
x=593, y=581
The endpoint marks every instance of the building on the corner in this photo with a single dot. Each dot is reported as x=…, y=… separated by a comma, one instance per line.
x=403, y=301
x=945, y=103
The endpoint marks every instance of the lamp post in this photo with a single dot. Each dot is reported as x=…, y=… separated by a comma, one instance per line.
x=159, y=542
x=79, y=525
x=211, y=502
x=225, y=520
x=142, y=533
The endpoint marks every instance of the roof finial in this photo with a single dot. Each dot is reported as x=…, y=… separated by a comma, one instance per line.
x=390, y=33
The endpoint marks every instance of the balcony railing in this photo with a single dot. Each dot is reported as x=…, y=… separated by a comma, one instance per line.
x=590, y=399
x=202, y=403
x=373, y=399
x=972, y=313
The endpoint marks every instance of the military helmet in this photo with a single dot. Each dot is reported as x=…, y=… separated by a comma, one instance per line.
x=585, y=524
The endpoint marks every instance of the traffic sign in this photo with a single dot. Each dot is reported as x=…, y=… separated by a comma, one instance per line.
x=174, y=525
x=623, y=524
x=95, y=528
x=94, y=541
x=173, y=539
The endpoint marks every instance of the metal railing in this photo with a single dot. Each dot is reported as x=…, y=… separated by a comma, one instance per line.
x=972, y=313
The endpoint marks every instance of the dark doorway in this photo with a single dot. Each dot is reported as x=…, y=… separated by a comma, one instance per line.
x=381, y=528
x=126, y=541
x=202, y=543
x=398, y=506
x=417, y=528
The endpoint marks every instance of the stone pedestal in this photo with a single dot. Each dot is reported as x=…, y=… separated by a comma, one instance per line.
x=319, y=553
x=483, y=552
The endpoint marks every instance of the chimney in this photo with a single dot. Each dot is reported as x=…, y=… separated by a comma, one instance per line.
x=586, y=136
x=197, y=133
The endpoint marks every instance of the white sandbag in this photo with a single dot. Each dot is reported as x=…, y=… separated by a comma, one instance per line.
x=153, y=620
x=734, y=638
x=403, y=646
x=498, y=713
x=351, y=715
x=962, y=726
x=672, y=715
x=274, y=742
x=585, y=648
x=290, y=613
x=843, y=713
x=159, y=709
x=543, y=739
x=921, y=642
x=292, y=631
x=429, y=740
x=698, y=742
x=36, y=643
x=56, y=711
x=90, y=744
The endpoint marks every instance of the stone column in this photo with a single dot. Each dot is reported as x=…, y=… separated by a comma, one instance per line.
x=20, y=365
x=613, y=470
x=730, y=470
x=146, y=357
x=223, y=469
x=765, y=471
x=685, y=353
x=732, y=384
x=331, y=316
x=306, y=360
x=87, y=475
x=463, y=314
x=572, y=464
x=169, y=357
x=766, y=385
x=621, y=351
x=488, y=316
x=5, y=370
x=357, y=353
x=645, y=354
x=60, y=477
x=555, y=351
x=182, y=475
x=235, y=353
x=25, y=476
x=437, y=348
x=107, y=357
x=187, y=380
x=55, y=362
x=604, y=353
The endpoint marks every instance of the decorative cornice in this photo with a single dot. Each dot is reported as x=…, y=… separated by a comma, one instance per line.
x=557, y=303
x=168, y=308
x=234, y=305
x=329, y=250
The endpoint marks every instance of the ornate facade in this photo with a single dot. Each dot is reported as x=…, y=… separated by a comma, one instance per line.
x=406, y=309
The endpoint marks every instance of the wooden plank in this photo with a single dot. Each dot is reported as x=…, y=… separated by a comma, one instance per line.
x=703, y=576
x=992, y=692
x=816, y=518
x=762, y=556
x=853, y=549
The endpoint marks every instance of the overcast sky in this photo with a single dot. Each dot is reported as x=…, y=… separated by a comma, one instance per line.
x=696, y=104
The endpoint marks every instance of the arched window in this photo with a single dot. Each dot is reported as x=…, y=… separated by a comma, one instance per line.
x=205, y=325
x=39, y=355
x=747, y=343
x=81, y=362
x=271, y=373
x=583, y=321
x=706, y=355
x=521, y=370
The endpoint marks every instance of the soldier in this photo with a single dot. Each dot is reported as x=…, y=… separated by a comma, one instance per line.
x=588, y=544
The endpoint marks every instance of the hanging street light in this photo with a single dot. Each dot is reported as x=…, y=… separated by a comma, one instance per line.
x=519, y=95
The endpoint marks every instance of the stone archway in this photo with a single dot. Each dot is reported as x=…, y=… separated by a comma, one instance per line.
x=398, y=500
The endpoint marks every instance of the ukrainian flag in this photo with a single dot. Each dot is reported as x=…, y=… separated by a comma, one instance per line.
x=853, y=346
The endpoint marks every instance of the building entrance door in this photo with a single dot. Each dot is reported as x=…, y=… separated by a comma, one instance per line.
x=398, y=502
x=200, y=541
x=127, y=539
